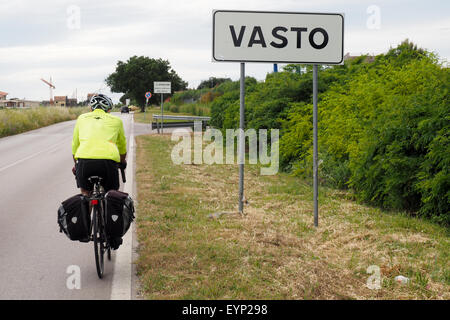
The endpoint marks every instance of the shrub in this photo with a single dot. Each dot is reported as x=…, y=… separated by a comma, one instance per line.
x=383, y=126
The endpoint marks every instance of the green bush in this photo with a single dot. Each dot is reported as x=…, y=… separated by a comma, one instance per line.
x=224, y=113
x=220, y=105
x=174, y=108
x=179, y=98
x=383, y=126
x=380, y=126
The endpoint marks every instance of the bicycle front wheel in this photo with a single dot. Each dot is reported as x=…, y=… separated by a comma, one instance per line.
x=98, y=243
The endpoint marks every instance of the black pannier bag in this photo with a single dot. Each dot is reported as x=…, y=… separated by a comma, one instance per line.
x=74, y=219
x=119, y=213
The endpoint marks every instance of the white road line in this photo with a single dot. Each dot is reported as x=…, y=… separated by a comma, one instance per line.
x=121, y=281
x=52, y=148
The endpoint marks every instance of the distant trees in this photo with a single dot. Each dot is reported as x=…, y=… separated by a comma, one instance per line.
x=212, y=82
x=136, y=76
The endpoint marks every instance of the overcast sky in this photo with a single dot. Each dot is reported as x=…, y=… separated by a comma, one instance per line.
x=45, y=38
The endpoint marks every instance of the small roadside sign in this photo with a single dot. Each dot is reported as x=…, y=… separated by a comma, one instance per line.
x=162, y=87
x=148, y=95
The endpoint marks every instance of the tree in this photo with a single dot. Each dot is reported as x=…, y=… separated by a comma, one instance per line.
x=123, y=99
x=136, y=76
x=212, y=82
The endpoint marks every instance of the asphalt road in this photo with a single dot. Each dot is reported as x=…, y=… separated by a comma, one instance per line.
x=35, y=258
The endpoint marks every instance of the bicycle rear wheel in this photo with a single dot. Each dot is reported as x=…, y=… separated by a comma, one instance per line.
x=98, y=243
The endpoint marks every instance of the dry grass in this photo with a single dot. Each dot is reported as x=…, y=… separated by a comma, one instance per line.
x=14, y=121
x=273, y=251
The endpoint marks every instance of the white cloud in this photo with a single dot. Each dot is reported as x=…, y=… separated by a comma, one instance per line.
x=39, y=44
x=430, y=35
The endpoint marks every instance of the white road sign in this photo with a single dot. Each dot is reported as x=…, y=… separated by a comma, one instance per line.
x=285, y=37
x=162, y=87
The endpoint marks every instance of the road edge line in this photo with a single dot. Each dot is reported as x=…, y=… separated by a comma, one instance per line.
x=122, y=277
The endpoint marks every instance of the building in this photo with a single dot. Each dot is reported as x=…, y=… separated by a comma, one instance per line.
x=18, y=103
x=12, y=103
x=72, y=102
x=61, y=101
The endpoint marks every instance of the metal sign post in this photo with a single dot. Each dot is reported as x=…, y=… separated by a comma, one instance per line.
x=278, y=37
x=315, y=149
x=148, y=95
x=241, y=139
x=162, y=114
x=162, y=87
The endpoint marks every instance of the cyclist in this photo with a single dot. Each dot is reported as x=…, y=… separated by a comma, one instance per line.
x=98, y=147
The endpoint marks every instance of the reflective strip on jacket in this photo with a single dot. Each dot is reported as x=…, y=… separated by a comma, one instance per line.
x=99, y=135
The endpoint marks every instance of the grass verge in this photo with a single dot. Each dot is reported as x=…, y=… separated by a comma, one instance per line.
x=14, y=121
x=274, y=251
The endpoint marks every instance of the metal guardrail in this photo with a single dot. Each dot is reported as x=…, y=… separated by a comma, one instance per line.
x=191, y=118
x=179, y=124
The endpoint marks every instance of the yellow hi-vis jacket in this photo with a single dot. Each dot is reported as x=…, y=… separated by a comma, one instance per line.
x=99, y=135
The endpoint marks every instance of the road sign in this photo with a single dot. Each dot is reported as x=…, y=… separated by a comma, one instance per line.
x=127, y=102
x=278, y=37
x=148, y=95
x=162, y=87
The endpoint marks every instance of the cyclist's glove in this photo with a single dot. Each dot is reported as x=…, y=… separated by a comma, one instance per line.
x=123, y=165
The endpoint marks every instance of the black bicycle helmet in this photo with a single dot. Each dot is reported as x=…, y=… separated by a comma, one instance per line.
x=101, y=101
